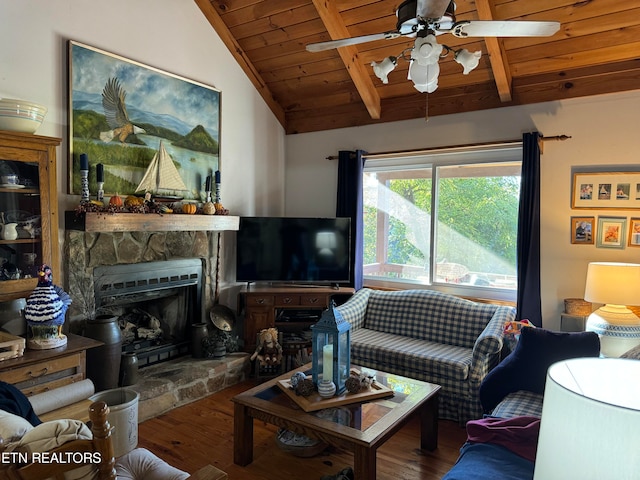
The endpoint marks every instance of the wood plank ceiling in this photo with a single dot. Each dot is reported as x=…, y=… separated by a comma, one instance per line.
x=596, y=50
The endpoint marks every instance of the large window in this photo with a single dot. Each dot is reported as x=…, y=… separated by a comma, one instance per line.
x=444, y=219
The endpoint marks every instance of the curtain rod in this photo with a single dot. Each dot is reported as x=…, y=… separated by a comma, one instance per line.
x=435, y=149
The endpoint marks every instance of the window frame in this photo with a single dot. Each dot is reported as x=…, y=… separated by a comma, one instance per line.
x=501, y=152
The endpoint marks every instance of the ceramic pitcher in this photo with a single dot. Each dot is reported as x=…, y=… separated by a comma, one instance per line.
x=9, y=231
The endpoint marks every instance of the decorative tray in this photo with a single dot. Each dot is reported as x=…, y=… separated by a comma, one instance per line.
x=315, y=402
x=11, y=346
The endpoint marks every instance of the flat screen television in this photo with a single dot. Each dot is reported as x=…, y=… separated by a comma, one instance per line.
x=293, y=250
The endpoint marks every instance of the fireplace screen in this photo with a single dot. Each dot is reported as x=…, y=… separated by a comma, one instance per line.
x=155, y=302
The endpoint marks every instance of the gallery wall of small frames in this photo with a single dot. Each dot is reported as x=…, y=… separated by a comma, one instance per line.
x=606, y=190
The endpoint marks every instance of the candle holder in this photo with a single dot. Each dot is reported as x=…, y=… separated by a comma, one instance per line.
x=84, y=185
x=331, y=351
x=326, y=388
x=100, y=192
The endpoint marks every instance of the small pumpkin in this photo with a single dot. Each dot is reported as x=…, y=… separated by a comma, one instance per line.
x=189, y=208
x=115, y=200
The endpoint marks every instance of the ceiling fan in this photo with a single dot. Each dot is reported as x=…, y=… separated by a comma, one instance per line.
x=425, y=19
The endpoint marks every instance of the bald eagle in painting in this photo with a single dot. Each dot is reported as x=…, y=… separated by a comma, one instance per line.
x=115, y=111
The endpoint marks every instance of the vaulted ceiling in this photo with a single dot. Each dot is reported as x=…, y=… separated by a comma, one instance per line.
x=596, y=50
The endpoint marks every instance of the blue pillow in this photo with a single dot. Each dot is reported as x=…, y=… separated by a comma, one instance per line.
x=526, y=367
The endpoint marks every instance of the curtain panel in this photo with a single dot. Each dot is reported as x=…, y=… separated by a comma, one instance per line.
x=528, y=250
x=350, y=204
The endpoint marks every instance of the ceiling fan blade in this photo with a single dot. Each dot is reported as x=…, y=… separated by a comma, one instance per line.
x=431, y=8
x=321, y=46
x=507, y=28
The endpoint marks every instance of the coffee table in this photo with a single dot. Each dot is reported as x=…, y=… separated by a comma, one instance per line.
x=360, y=427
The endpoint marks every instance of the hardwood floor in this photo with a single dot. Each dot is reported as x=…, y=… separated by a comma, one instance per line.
x=194, y=435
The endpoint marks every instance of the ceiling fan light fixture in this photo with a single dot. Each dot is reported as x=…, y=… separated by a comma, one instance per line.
x=468, y=60
x=384, y=68
x=426, y=50
x=424, y=77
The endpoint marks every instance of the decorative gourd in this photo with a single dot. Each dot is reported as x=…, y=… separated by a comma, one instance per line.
x=132, y=201
x=115, y=200
x=209, y=208
x=189, y=208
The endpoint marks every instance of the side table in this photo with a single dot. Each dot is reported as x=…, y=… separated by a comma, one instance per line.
x=572, y=323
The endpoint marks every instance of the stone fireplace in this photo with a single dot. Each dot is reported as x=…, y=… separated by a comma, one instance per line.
x=106, y=270
x=155, y=303
x=106, y=263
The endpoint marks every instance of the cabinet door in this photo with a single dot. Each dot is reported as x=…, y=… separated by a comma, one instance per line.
x=28, y=211
x=256, y=319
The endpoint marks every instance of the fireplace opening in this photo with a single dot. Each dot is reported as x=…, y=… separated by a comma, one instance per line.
x=155, y=302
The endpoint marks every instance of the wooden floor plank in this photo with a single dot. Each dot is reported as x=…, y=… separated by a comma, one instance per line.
x=200, y=433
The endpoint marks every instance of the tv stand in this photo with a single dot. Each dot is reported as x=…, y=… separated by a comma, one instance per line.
x=261, y=305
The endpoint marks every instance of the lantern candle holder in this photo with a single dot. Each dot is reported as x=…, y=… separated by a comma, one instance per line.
x=331, y=352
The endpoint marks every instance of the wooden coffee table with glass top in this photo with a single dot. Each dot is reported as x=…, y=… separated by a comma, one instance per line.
x=358, y=427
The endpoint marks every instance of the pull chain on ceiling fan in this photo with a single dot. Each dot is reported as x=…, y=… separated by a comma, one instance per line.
x=425, y=19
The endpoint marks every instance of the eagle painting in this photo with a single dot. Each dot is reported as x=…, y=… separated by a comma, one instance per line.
x=45, y=312
x=115, y=111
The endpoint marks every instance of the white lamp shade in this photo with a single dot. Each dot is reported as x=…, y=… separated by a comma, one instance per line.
x=590, y=421
x=426, y=50
x=614, y=283
x=384, y=68
x=468, y=60
x=424, y=77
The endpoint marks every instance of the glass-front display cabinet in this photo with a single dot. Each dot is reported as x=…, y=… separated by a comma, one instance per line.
x=28, y=211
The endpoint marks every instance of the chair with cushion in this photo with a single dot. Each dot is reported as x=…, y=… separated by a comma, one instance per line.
x=516, y=385
x=69, y=450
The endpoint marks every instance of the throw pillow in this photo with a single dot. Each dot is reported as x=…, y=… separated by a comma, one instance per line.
x=526, y=367
x=12, y=427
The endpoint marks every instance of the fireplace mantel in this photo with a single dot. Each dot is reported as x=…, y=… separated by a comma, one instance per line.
x=148, y=222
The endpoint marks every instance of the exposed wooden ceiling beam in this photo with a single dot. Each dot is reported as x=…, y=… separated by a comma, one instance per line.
x=334, y=24
x=238, y=53
x=497, y=54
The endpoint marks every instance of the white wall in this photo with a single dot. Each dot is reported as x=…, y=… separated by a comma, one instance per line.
x=604, y=131
x=171, y=35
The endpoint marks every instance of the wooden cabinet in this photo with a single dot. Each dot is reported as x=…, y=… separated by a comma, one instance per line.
x=31, y=205
x=39, y=371
x=261, y=306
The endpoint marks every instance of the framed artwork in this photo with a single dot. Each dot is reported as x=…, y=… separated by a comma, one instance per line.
x=582, y=230
x=139, y=122
x=619, y=190
x=634, y=232
x=611, y=232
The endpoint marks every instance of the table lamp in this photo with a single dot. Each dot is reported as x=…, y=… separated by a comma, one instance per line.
x=615, y=285
x=590, y=421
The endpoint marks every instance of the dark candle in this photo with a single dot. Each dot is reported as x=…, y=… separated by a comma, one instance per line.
x=217, y=176
x=84, y=162
x=208, y=184
x=99, y=173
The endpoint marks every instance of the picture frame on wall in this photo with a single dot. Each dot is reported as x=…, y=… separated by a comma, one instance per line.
x=139, y=122
x=611, y=232
x=634, y=232
x=582, y=230
x=618, y=190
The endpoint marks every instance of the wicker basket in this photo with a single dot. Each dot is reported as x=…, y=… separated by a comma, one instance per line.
x=577, y=306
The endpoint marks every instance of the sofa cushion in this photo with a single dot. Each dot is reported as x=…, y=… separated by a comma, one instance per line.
x=428, y=315
x=526, y=367
x=390, y=352
x=520, y=403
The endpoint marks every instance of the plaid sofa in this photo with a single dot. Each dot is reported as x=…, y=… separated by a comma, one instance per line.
x=429, y=336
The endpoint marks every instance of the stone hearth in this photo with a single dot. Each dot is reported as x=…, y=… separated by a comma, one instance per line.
x=171, y=384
